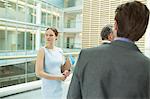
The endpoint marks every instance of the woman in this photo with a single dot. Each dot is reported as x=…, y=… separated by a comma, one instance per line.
x=48, y=66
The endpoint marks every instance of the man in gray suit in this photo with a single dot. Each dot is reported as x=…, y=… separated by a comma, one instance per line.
x=107, y=34
x=117, y=70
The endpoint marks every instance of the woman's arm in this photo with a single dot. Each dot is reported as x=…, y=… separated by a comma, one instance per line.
x=40, y=71
x=66, y=66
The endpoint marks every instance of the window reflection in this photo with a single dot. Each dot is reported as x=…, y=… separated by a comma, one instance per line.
x=11, y=10
x=31, y=15
x=43, y=18
x=3, y=9
x=21, y=12
x=16, y=74
x=20, y=41
x=2, y=39
x=11, y=40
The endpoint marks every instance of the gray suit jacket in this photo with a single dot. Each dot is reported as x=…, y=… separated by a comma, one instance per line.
x=112, y=71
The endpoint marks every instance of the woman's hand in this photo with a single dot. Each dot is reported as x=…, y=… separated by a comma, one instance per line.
x=63, y=77
x=66, y=73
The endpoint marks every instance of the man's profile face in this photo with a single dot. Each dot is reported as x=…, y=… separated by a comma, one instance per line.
x=111, y=36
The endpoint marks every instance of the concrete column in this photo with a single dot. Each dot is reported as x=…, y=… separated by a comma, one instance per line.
x=38, y=22
x=147, y=35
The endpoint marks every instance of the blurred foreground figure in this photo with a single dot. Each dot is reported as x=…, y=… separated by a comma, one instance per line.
x=118, y=70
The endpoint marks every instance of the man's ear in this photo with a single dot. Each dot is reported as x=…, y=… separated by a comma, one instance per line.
x=116, y=26
x=111, y=37
x=115, y=29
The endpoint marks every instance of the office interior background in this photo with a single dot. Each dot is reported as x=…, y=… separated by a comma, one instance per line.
x=23, y=24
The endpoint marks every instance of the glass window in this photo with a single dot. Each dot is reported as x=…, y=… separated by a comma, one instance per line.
x=43, y=18
x=70, y=42
x=54, y=20
x=58, y=22
x=29, y=40
x=11, y=39
x=16, y=73
x=21, y=13
x=78, y=2
x=43, y=5
x=33, y=39
x=31, y=71
x=11, y=10
x=12, y=74
x=2, y=37
x=3, y=9
x=22, y=0
x=72, y=3
x=70, y=21
x=49, y=19
x=31, y=15
x=2, y=40
x=69, y=3
x=20, y=44
x=32, y=2
x=42, y=38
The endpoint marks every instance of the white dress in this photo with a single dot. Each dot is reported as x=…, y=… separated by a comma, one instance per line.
x=52, y=89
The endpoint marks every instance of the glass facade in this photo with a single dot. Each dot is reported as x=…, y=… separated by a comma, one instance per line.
x=15, y=38
x=20, y=23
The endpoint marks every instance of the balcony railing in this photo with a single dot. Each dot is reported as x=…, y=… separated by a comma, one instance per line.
x=22, y=78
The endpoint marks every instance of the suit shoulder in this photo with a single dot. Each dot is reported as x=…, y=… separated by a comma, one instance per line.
x=95, y=49
x=146, y=59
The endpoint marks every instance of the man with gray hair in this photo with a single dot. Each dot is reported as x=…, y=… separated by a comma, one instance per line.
x=107, y=34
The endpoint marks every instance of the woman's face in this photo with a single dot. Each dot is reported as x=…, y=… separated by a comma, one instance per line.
x=50, y=36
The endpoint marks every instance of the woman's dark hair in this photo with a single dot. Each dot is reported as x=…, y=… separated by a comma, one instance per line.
x=132, y=20
x=54, y=30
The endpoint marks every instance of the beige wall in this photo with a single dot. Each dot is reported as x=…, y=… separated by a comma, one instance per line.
x=96, y=14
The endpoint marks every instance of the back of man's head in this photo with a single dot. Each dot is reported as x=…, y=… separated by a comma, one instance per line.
x=106, y=31
x=132, y=20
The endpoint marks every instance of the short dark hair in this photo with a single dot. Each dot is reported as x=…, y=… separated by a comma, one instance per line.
x=54, y=30
x=132, y=20
x=106, y=31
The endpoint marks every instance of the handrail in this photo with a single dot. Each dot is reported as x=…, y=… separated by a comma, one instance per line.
x=16, y=57
x=31, y=56
x=19, y=88
x=16, y=77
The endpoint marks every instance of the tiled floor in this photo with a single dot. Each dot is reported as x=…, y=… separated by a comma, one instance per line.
x=34, y=94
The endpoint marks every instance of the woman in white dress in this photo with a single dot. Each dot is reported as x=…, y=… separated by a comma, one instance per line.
x=48, y=67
